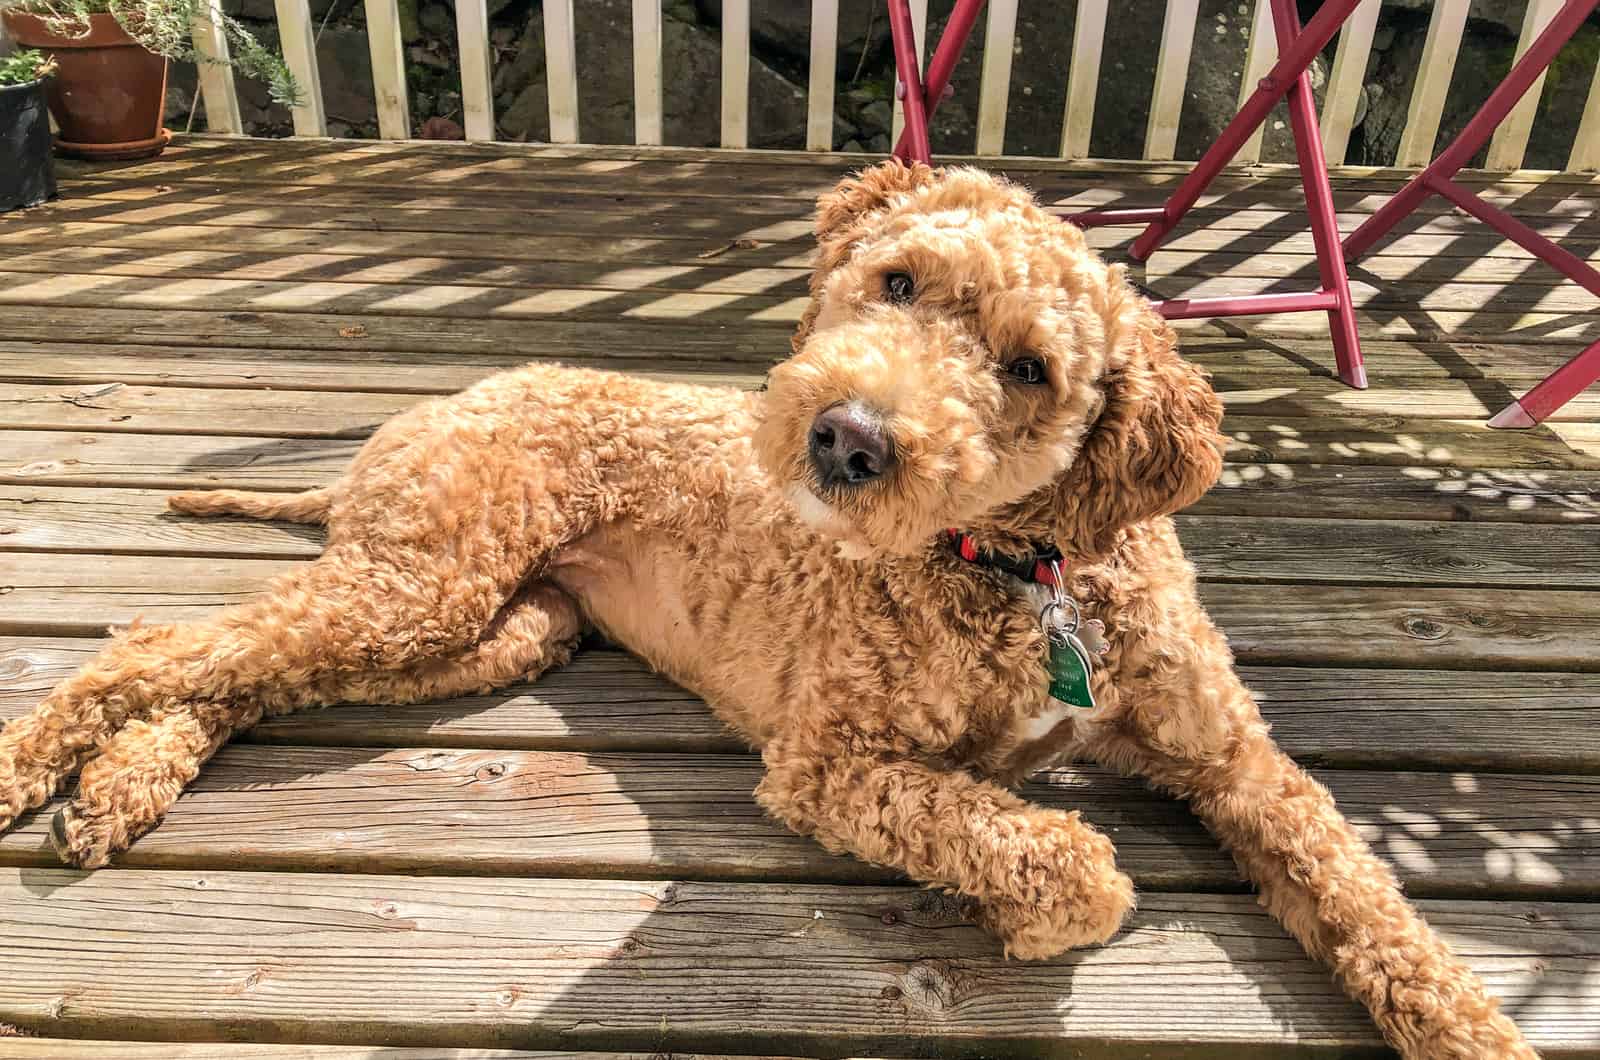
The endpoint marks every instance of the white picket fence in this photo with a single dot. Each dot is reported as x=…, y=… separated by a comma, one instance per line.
x=1082, y=74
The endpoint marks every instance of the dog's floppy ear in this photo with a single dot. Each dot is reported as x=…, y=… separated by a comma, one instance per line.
x=1156, y=446
x=839, y=216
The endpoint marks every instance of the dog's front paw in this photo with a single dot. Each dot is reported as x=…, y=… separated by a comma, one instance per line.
x=87, y=842
x=1088, y=914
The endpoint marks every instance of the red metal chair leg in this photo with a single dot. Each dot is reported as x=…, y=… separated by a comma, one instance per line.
x=915, y=91
x=1584, y=369
x=1477, y=131
x=1293, y=60
x=1557, y=388
x=1319, y=203
x=913, y=146
x=1289, y=76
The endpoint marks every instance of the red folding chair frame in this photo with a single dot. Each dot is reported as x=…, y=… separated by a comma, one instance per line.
x=1288, y=77
x=1570, y=379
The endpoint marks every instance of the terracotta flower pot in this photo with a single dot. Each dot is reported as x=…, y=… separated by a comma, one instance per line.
x=108, y=94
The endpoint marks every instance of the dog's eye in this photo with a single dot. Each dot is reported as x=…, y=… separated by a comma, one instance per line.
x=899, y=287
x=1026, y=370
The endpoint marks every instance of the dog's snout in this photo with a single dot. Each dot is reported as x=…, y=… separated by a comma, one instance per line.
x=849, y=445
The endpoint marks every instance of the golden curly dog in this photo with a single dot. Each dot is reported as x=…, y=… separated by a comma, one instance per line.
x=965, y=362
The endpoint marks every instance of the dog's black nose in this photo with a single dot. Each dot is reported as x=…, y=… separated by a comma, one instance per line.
x=849, y=446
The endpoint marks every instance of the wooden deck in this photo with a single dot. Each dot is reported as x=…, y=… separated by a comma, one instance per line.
x=579, y=865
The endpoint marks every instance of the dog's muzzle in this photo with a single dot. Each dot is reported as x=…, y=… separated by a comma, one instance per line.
x=850, y=446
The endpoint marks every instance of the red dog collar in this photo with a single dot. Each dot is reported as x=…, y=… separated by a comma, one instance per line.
x=1035, y=567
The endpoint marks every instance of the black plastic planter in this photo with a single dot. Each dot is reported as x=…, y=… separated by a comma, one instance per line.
x=26, y=178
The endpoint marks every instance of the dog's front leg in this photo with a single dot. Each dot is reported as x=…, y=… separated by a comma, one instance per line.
x=1315, y=874
x=1045, y=880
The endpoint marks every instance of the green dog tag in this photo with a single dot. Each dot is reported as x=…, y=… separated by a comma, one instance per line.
x=1069, y=672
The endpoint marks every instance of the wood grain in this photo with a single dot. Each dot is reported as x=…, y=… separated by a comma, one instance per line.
x=1520, y=629
x=1272, y=369
x=93, y=1049
x=608, y=701
x=535, y=813
x=1223, y=548
x=668, y=966
x=87, y=458
x=1370, y=440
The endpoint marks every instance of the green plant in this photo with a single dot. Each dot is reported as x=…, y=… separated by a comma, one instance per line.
x=166, y=27
x=25, y=67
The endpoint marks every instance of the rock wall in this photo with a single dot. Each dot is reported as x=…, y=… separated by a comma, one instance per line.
x=780, y=43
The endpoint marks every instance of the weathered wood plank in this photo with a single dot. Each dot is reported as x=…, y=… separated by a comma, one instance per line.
x=180, y=410
x=561, y=62
x=1380, y=551
x=1256, y=377
x=603, y=700
x=1454, y=251
x=1357, y=492
x=1445, y=313
x=1445, y=25
x=1386, y=440
x=591, y=203
x=1424, y=281
x=418, y=180
x=630, y=249
x=668, y=966
x=1432, y=719
x=608, y=701
x=106, y=521
x=200, y=153
x=97, y=1049
x=73, y=367
x=1399, y=440
x=660, y=339
x=534, y=813
x=792, y=176
x=434, y=301
x=1522, y=629
x=482, y=308
x=1223, y=548
x=84, y=458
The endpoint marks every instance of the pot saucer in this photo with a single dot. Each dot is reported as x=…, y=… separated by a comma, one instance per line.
x=115, y=152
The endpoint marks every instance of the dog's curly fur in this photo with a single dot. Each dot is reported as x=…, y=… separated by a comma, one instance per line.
x=895, y=692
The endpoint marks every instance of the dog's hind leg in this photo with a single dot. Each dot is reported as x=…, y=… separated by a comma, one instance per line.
x=128, y=786
x=310, y=506
x=346, y=613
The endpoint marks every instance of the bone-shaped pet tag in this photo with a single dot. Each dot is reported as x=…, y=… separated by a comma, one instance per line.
x=1069, y=671
x=1073, y=646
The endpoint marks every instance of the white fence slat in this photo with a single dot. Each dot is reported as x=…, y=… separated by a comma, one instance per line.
x=1083, y=78
x=1510, y=141
x=477, y=89
x=216, y=76
x=388, y=69
x=647, y=87
x=1586, y=148
x=1439, y=50
x=824, y=52
x=994, y=91
x=561, y=61
x=1172, y=77
x=1347, y=81
x=297, y=37
x=919, y=22
x=1258, y=61
x=735, y=73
